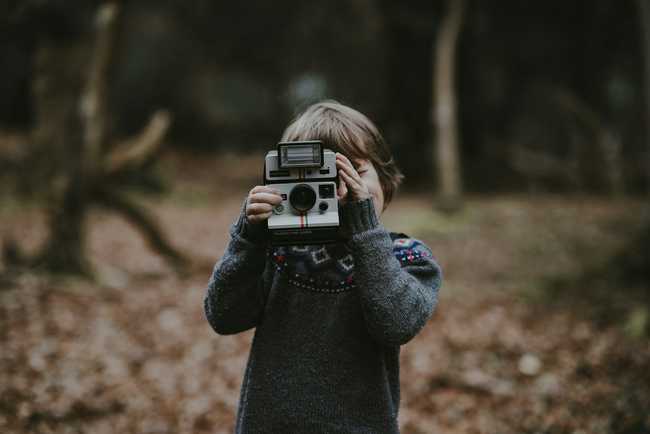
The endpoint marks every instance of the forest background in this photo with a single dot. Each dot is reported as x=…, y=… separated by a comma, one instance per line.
x=131, y=131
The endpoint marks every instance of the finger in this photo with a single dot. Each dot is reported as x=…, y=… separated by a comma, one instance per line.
x=352, y=190
x=352, y=183
x=271, y=198
x=342, y=167
x=259, y=188
x=258, y=208
x=357, y=187
x=343, y=189
x=349, y=169
x=258, y=218
x=342, y=159
x=356, y=190
x=346, y=161
x=263, y=188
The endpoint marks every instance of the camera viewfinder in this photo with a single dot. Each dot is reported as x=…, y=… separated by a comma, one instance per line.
x=300, y=154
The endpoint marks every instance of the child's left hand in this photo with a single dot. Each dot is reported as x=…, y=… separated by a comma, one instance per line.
x=351, y=186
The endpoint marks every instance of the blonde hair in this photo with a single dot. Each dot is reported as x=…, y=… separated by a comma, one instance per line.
x=345, y=130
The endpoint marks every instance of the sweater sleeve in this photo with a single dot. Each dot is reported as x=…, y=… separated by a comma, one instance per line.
x=398, y=282
x=236, y=293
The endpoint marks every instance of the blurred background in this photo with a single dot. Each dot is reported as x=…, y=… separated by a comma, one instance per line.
x=130, y=132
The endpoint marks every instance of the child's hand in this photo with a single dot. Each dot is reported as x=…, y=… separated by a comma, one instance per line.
x=260, y=203
x=352, y=186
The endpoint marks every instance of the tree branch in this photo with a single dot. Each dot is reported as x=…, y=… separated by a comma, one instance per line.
x=136, y=152
x=92, y=104
x=144, y=222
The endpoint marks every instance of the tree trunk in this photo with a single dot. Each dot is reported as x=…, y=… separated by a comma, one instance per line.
x=71, y=119
x=65, y=250
x=444, y=104
x=644, y=17
x=57, y=153
x=93, y=105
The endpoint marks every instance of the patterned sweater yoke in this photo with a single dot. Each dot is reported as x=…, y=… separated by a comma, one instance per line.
x=329, y=322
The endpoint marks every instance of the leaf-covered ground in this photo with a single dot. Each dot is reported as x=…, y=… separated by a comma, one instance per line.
x=133, y=353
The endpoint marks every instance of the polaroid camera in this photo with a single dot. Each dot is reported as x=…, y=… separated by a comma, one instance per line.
x=306, y=176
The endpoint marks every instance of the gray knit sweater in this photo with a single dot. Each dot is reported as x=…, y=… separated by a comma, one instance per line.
x=329, y=322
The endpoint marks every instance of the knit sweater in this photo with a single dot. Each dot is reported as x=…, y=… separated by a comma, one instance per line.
x=329, y=319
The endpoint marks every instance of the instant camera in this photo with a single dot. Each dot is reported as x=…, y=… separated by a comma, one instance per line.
x=305, y=174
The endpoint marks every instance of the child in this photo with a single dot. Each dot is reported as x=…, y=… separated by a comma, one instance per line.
x=329, y=319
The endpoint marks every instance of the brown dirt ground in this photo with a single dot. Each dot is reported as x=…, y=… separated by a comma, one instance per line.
x=133, y=353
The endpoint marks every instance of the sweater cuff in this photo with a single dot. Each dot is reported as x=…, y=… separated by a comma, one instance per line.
x=256, y=233
x=359, y=216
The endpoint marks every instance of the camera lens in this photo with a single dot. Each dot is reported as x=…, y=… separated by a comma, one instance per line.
x=302, y=197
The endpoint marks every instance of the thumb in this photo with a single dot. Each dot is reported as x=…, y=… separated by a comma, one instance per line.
x=342, y=190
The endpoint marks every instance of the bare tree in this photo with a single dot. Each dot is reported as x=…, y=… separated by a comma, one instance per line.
x=444, y=109
x=82, y=168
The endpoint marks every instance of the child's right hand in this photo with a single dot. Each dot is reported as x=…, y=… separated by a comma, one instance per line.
x=260, y=202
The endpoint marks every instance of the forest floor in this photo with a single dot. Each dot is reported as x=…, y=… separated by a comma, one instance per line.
x=132, y=352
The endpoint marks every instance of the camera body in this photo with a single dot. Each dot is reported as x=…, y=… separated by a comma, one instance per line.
x=306, y=176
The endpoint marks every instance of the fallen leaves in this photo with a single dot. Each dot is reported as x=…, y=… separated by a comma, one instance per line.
x=133, y=353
